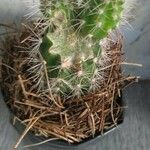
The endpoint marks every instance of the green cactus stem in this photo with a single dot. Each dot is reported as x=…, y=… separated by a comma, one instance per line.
x=70, y=45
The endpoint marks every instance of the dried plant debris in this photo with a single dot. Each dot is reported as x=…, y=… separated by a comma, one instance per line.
x=29, y=92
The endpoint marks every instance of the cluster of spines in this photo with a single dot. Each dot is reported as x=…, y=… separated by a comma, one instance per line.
x=71, y=42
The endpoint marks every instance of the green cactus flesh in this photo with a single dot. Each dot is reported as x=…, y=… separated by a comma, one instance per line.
x=70, y=45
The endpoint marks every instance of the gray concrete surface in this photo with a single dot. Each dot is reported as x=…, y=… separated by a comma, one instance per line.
x=137, y=42
x=133, y=134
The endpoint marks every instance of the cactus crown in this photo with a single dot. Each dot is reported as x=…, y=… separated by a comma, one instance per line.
x=71, y=42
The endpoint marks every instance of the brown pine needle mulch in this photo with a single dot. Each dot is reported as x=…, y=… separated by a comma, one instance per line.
x=30, y=98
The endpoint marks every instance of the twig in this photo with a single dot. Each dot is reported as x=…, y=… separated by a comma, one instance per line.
x=112, y=104
x=40, y=143
x=22, y=86
x=8, y=26
x=50, y=91
x=30, y=125
x=132, y=64
x=8, y=67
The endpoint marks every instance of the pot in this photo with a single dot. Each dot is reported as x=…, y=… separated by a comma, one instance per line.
x=61, y=144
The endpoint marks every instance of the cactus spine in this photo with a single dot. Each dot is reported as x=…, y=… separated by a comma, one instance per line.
x=71, y=42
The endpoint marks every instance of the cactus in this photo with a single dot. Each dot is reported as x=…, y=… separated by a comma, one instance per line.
x=71, y=41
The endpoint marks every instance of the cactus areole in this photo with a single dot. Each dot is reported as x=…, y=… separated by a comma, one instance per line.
x=71, y=42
